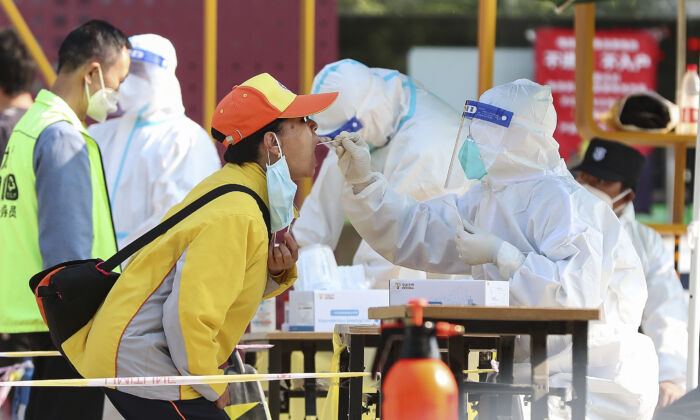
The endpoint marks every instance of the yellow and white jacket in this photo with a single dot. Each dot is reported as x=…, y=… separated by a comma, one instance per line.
x=184, y=301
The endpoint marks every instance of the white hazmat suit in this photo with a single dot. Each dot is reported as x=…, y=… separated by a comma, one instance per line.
x=665, y=315
x=153, y=154
x=408, y=129
x=575, y=252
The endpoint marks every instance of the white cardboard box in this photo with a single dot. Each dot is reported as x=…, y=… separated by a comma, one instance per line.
x=450, y=292
x=265, y=318
x=321, y=310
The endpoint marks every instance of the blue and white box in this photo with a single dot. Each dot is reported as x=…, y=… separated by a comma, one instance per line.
x=321, y=310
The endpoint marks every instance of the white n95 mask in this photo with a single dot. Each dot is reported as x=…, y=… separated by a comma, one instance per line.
x=102, y=102
x=280, y=192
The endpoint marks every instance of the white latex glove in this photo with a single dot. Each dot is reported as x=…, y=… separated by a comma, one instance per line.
x=477, y=246
x=353, y=157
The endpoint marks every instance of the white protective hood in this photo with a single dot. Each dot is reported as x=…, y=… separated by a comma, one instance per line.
x=151, y=89
x=372, y=97
x=526, y=149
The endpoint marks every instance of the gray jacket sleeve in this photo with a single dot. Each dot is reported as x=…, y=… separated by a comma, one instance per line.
x=64, y=194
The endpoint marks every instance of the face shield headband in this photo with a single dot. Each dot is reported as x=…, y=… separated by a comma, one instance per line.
x=465, y=147
x=149, y=57
x=352, y=125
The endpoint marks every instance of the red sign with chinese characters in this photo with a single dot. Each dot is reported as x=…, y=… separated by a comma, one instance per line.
x=625, y=62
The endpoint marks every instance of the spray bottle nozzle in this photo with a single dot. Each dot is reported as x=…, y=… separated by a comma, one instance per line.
x=445, y=329
x=417, y=306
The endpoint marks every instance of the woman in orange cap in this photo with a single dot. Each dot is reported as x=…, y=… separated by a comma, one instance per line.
x=184, y=301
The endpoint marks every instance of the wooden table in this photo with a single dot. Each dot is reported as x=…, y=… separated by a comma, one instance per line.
x=359, y=337
x=284, y=343
x=538, y=323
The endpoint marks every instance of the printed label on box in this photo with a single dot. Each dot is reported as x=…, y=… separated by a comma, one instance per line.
x=450, y=292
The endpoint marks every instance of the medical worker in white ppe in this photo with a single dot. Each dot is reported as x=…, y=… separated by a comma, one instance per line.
x=408, y=130
x=153, y=154
x=529, y=223
x=610, y=171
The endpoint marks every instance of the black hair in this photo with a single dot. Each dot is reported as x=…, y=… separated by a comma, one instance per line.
x=247, y=149
x=93, y=40
x=18, y=67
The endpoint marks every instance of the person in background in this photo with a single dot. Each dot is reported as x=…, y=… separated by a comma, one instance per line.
x=16, y=80
x=53, y=202
x=411, y=133
x=16, y=77
x=153, y=154
x=610, y=170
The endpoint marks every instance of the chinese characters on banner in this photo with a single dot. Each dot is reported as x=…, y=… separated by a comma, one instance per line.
x=625, y=62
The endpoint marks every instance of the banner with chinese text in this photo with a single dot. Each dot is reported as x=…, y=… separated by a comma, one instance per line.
x=625, y=62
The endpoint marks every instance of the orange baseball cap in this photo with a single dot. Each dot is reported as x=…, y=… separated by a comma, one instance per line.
x=260, y=100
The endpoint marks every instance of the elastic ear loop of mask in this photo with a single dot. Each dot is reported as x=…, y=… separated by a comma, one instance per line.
x=619, y=197
x=279, y=155
x=102, y=80
x=102, y=83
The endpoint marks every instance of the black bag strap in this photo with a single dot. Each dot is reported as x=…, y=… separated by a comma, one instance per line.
x=176, y=218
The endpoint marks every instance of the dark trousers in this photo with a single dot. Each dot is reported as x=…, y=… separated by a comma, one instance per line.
x=135, y=408
x=60, y=403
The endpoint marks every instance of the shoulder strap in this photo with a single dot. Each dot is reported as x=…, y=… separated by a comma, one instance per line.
x=176, y=218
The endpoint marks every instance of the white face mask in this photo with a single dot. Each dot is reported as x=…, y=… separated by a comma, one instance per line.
x=281, y=191
x=606, y=198
x=102, y=102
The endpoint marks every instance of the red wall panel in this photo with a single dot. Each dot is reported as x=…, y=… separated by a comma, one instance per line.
x=254, y=36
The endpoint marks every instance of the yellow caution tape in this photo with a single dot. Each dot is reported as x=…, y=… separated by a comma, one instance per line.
x=179, y=380
x=478, y=371
x=29, y=353
x=46, y=353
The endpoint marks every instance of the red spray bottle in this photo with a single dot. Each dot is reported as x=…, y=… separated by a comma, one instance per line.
x=419, y=385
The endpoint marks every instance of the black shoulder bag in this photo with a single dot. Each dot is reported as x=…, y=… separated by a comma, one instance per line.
x=70, y=293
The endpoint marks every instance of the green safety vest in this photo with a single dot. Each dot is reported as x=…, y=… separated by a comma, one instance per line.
x=20, y=257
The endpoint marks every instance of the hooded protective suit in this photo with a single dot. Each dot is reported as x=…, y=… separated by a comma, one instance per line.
x=153, y=155
x=576, y=253
x=408, y=129
x=665, y=316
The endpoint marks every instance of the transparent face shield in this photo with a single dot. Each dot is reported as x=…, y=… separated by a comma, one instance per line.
x=456, y=173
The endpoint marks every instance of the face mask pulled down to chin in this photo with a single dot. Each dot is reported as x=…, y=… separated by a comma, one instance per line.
x=281, y=191
x=101, y=103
